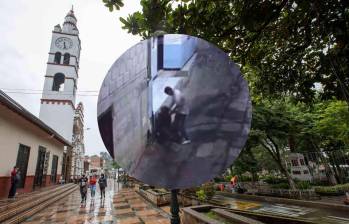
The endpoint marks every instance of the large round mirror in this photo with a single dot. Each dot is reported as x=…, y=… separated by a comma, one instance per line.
x=174, y=111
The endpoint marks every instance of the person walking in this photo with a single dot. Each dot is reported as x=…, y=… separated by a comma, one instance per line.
x=83, y=181
x=14, y=182
x=93, y=181
x=102, y=185
x=181, y=111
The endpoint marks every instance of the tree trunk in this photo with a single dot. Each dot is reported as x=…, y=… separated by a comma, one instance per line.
x=254, y=177
x=277, y=158
x=283, y=170
x=291, y=143
x=329, y=173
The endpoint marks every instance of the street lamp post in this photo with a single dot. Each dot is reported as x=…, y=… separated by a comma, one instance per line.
x=174, y=207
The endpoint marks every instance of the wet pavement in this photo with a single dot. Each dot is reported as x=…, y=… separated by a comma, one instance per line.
x=268, y=208
x=121, y=206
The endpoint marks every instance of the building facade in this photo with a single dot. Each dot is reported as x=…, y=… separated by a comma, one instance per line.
x=96, y=165
x=59, y=94
x=86, y=164
x=29, y=144
x=78, y=154
x=58, y=99
x=298, y=167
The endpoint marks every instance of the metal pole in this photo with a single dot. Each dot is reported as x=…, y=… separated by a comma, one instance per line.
x=174, y=207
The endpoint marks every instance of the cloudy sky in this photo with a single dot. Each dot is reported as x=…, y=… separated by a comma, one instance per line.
x=25, y=28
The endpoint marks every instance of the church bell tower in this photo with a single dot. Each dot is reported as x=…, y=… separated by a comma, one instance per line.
x=58, y=99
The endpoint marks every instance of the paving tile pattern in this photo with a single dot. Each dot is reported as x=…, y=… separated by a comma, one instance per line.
x=121, y=206
x=136, y=210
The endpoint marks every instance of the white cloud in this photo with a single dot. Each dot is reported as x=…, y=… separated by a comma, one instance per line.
x=26, y=28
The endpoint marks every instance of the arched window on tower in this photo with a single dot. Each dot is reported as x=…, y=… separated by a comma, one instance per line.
x=66, y=59
x=58, y=56
x=58, y=82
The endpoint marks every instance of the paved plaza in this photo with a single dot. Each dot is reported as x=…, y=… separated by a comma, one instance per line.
x=121, y=206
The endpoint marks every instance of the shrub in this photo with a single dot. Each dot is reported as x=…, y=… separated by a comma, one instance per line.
x=280, y=186
x=339, y=189
x=209, y=189
x=274, y=180
x=219, y=179
x=303, y=185
x=228, y=178
x=201, y=195
x=244, y=178
x=320, y=183
x=206, y=191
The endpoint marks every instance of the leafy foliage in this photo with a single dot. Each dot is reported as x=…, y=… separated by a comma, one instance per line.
x=332, y=121
x=333, y=190
x=206, y=191
x=113, y=4
x=284, y=47
x=295, y=55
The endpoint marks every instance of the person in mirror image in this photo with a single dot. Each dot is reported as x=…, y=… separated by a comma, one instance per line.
x=181, y=111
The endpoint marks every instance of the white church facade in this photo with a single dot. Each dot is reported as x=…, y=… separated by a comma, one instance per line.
x=58, y=108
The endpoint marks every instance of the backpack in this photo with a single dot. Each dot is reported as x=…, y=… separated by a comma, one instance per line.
x=101, y=183
x=83, y=182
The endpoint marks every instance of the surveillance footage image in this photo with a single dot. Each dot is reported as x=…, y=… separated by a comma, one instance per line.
x=174, y=111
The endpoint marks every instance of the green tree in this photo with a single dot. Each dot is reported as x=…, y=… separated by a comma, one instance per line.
x=332, y=121
x=115, y=165
x=284, y=46
x=113, y=4
x=247, y=161
x=270, y=127
x=331, y=124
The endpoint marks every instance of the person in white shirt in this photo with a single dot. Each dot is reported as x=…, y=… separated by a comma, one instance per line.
x=181, y=111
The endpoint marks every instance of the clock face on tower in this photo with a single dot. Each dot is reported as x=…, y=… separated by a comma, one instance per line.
x=64, y=43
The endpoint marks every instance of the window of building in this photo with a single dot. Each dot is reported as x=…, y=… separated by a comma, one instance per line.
x=294, y=162
x=58, y=82
x=302, y=162
x=66, y=59
x=58, y=56
x=296, y=172
x=305, y=171
x=160, y=47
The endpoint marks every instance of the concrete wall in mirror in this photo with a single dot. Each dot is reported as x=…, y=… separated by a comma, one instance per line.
x=174, y=111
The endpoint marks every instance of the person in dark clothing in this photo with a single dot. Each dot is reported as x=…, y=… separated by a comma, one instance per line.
x=181, y=110
x=163, y=125
x=102, y=185
x=83, y=181
x=14, y=182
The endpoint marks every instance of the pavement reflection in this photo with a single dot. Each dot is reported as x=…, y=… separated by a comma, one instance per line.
x=122, y=206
